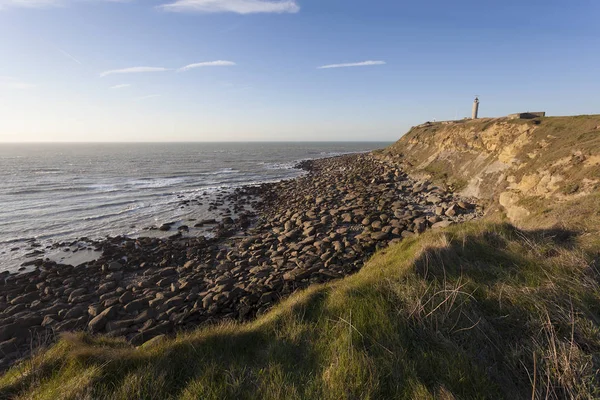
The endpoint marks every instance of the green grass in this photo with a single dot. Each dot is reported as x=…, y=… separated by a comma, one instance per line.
x=480, y=310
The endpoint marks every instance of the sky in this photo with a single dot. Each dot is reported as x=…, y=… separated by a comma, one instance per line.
x=289, y=70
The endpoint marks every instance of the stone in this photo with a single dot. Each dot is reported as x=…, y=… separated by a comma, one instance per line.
x=95, y=309
x=114, y=266
x=135, y=305
x=144, y=316
x=19, y=327
x=434, y=199
x=465, y=206
x=75, y=312
x=207, y=300
x=48, y=321
x=112, y=326
x=146, y=335
x=268, y=297
x=441, y=224
x=25, y=299
x=106, y=287
x=100, y=321
x=9, y=346
x=126, y=297
x=174, y=301
x=77, y=292
x=451, y=212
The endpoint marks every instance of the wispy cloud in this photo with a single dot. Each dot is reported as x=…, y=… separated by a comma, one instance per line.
x=358, y=64
x=133, y=70
x=234, y=6
x=121, y=86
x=219, y=63
x=150, y=96
x=64, y=53
x=13, y=83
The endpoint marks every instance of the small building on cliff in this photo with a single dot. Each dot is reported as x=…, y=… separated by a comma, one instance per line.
x=527, y=115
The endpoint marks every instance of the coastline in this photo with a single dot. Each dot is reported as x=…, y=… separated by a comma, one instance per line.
x=277, y=238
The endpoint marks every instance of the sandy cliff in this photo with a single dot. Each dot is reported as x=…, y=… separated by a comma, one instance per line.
x=520, y=167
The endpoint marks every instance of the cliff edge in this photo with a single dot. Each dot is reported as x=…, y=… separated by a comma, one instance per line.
x=524, y=168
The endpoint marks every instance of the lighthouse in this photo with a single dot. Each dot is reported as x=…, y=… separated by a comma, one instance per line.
x=475, y=108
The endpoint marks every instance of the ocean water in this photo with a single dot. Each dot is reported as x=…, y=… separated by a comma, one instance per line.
x=60, y=192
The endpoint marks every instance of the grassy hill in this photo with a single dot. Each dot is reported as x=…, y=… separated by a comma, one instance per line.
x=479, y=310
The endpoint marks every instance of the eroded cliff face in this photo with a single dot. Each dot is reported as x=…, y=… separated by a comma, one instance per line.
x=507, y=162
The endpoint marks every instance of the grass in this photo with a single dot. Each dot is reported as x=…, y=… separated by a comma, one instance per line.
x=481, y=310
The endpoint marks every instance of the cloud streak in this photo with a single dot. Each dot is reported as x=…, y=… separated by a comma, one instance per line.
x=358, y=64
x=233, y=6
x=64, y=53
x=219, y=63
x=121, y=86
x=132, y=70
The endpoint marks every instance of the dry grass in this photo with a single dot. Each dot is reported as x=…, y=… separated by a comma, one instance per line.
x=477, y=311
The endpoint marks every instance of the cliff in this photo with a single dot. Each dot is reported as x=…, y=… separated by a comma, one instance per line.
x=520, y=167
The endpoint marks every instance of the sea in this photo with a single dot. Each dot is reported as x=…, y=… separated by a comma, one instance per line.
x=51, y=193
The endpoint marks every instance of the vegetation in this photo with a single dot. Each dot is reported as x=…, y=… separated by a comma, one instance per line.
x=481, y=310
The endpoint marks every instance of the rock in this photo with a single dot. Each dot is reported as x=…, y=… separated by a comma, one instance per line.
x=48, y=321
x=376, y=225
x=154, y=341
x=146, y=335
x=75, y=312
x=115, y=276
x=25, y=299
x=465, y=206
x=174, y=301
x=94, y=309
x=441, y=224
x=379, y=235
x=100, y=321
x=126, y=297
x=451, y=212
x=114, y=266
x=8, y=346
x=106, y=287
x=144, y=316
x=207, y=301
x=407, y=234
x=77, y=292
x=135, y=305
x=433, y=199
x=112, y=326
x=19, y=327
x=268, y=297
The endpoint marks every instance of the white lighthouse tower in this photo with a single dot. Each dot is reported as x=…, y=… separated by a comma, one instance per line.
x=475, y=108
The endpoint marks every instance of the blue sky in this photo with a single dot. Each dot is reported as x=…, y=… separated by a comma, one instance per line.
x=258, y=76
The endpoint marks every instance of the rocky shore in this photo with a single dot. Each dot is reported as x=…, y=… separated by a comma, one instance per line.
x=283, y=237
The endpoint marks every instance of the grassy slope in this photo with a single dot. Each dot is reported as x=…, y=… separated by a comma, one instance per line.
x=481, y=310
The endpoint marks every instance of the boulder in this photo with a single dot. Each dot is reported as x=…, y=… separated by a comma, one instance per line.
x=100, y=321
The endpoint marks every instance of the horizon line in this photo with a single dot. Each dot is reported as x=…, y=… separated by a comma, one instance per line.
x=205, y=141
